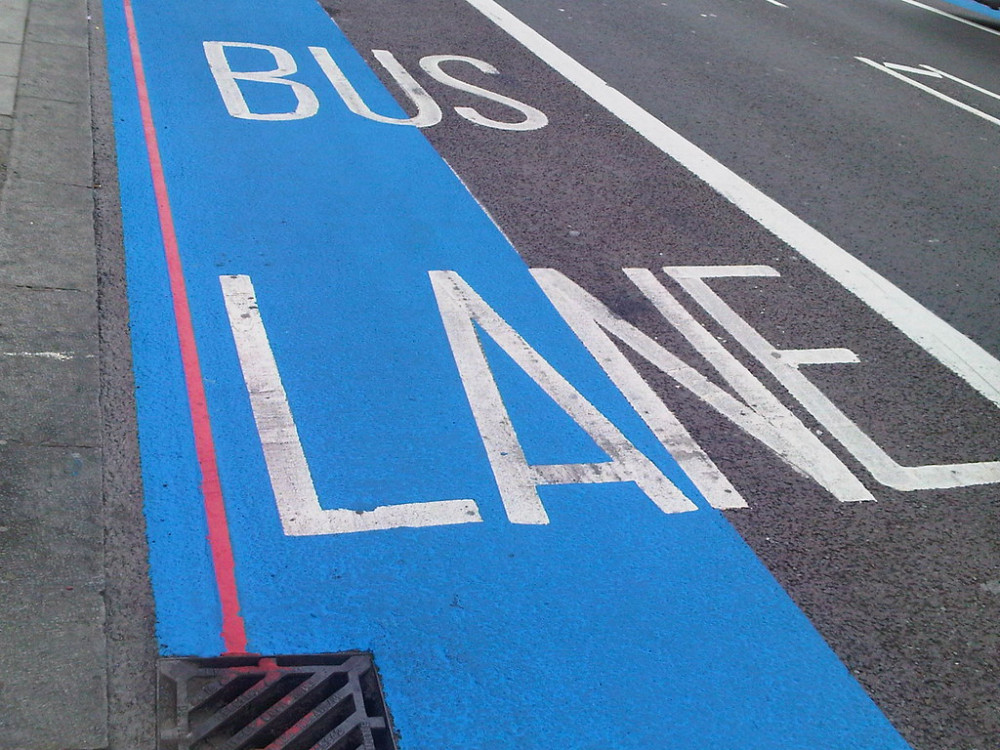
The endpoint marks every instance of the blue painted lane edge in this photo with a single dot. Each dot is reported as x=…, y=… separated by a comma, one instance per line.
x=983, y=10
x=614, y=625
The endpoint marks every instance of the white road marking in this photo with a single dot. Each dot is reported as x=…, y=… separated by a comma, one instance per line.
x=760, y=414
x=775, y=2
x=924, y=71
x=784, y=366
x=306, y=103
x=828, y=356
x=533, y=118
x=894, y=71
x=428, y=111
x=962, y=81
x=61, y=356
x=953, y=349
x=592, y=322
x=461, y=310
x=291, y=481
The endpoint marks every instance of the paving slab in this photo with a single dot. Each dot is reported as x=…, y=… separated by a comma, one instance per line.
x=24, y=191
x=46, y=320
x=10, y=59
x=51, y=598
x=49, y=490
x=8, y=91
x=47, y=700
x=46, y=239
x=54, y=71
x=49, y=398
x=53, y=141
x=13, y=14
x=58, y=22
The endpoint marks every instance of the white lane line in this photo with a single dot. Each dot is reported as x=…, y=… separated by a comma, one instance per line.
x=962, y=81
x=775, y=2
x=952, y=16
x=943, y=97
x=953, y=349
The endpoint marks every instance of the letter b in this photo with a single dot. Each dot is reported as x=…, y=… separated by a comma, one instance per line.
x=226, y=78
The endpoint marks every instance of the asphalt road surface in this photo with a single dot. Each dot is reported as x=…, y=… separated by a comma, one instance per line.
x=772, y=224
x=904, y=589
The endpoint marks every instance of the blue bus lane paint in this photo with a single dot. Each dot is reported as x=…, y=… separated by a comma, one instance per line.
x=614, y=624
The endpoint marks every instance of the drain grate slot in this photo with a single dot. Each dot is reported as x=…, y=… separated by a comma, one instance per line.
x=319, y=702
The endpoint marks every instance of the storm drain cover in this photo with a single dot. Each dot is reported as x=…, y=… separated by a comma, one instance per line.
x=316, y=702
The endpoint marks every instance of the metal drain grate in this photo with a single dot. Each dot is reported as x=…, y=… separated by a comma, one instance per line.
x=317, y=702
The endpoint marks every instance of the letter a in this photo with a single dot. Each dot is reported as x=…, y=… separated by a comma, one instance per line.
x=461, y=311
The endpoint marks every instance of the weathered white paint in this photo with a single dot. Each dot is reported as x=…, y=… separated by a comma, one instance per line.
x=784, y=365
x=60, y=356
x=226, y=79
x=896, y=71
x=590, y=320
x=533, y=118
x=462, y=309
x=759, y=413
x=428, y=112
x=291, y=481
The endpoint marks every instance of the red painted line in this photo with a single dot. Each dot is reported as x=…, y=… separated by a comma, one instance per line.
x=233, y=630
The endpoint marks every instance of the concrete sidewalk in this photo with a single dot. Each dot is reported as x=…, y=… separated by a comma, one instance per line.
x=75, y=618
